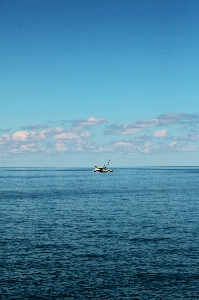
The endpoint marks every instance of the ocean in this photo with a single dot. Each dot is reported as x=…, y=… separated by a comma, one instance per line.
x=75, y=234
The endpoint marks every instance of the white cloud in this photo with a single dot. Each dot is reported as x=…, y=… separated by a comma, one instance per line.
x=29, y=148
x=190, y=148
x=123, y=144
x=27, y=136
x=61, y=147
x=162, y=120
x=20, y=135
x=18, y=148
x=103, y=149
x=72, y=136
x=66, y=135
x=131, y=147
x=143, y=136
x=4, y=139
x=172, y=144
x=53, y=131
x=160, y=133
x=147, y=147
x=90, y=122
x=127, y=130
x=122, y=129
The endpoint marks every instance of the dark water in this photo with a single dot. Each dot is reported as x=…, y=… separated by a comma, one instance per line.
x=75, y=234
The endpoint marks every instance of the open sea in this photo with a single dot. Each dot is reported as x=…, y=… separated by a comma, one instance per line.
x=76, y=234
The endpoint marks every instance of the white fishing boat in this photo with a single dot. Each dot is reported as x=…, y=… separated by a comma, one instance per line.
x=103, y=169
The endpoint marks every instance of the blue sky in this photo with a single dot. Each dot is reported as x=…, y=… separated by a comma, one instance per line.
x=85, y=81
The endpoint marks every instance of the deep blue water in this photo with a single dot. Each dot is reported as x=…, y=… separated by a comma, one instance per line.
x=75, y=234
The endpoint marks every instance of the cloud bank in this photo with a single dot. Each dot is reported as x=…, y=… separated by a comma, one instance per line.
x=169, y=132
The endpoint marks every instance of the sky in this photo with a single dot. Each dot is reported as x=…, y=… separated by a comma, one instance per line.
x=85, y=81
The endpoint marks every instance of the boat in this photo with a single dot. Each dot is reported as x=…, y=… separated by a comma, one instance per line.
x=103, y=169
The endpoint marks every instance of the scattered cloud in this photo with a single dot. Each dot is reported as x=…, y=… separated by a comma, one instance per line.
x=35, y=127
x=72, y=136
x=122, y=129
x=5, y=130
x=142, y=136
x=4, y=139
x=160, y=121
x=160, y=133
x=28, y=136
x=88, y=123
x=61, y=147
x=174, y=143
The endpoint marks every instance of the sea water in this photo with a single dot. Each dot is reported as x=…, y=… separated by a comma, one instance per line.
x=76, y=234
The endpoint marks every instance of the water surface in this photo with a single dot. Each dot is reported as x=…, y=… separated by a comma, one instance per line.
x=75, y=234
